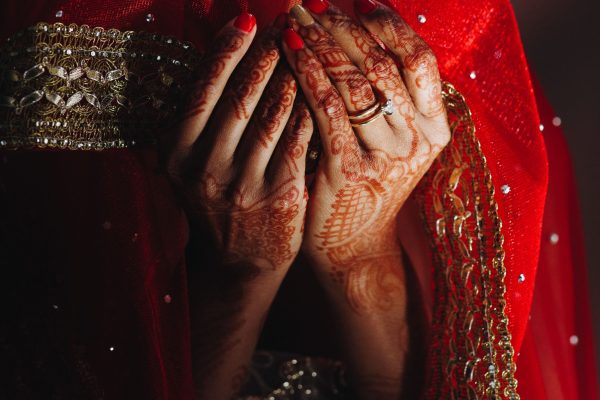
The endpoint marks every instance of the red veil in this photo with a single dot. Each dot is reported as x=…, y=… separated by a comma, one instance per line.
x=95, y=294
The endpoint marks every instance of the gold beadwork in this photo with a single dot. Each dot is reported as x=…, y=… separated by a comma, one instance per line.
x=78, y=87
x=471, y=355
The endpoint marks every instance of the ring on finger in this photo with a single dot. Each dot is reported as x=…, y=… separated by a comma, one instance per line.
x=372, y=113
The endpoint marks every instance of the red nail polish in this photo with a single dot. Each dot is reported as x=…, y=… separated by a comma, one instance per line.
x=245, y=22
x=281, y=21
x=365, y=6
x=292, y=39
x=316, y=6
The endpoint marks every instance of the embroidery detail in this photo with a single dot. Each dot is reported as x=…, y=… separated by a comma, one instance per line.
x=471, y=354
x=78, y=87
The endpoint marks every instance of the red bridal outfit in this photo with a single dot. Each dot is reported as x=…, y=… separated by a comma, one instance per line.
x=93, y=291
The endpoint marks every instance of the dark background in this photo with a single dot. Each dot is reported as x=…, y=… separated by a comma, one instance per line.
x=562, y=41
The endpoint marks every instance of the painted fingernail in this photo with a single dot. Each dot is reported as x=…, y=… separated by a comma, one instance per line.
x=281, y=21
x=245, y=22
x=316, y=6
x=300, y=14
x=365, y=6
x=292, y=39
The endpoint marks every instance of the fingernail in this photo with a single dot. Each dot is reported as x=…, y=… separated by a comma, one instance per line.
x=301, y=15
x=292, y=39
x=365, y=6
x=316, y=6
x=245, y=22
x=281, y=21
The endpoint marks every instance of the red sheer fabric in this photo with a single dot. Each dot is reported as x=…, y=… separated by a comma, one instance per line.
x=557, y=356
x=96, y=286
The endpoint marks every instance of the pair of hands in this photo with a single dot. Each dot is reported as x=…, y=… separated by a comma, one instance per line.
x=240, y=155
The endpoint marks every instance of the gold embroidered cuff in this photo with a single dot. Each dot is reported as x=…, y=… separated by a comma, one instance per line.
x=78, y=87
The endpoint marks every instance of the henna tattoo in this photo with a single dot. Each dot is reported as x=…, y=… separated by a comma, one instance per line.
x=298, y=125
x=418, y=57
x=341, y=69
x=357, y=238
x=253, y=70
x=273, y=106
x=260, y=231
x=210, y=69
x=381, y=71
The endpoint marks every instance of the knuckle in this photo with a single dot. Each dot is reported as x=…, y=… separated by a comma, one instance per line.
x=421, y=58
x=380, y=65
x=329, y=100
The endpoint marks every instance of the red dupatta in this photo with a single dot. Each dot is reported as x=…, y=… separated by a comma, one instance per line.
x=479, y=323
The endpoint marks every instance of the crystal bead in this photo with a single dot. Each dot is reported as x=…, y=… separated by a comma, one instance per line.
x=521, y=278
x=150, y=18
x=421, y=18
x=556, y=121
x=574, y=340
x=505, y=189
x=554, y=238
x=59, y=14
x=541, y=127
x=111, y=348
x=473, y=75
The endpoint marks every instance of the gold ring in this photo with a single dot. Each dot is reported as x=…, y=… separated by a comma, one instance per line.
x=364, y=114
x=379, y=112
x=372, y=113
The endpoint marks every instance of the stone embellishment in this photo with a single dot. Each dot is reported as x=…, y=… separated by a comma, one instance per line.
x=77, y=87
x=388, y=107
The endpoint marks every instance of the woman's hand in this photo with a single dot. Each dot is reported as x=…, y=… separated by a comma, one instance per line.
x=238, y=162
x=239, y=159
x=367, y=172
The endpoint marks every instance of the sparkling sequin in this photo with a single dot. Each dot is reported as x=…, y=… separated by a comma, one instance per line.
x=505, y=189
x=473, y=75
x=150, y=18
x=521, y=278
x=55, y=306
x=59, y=14
x=541, y=127
x=421, y=18
x=574, y=340
x=556, y=121
x=554, y=238
x=111, y=348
